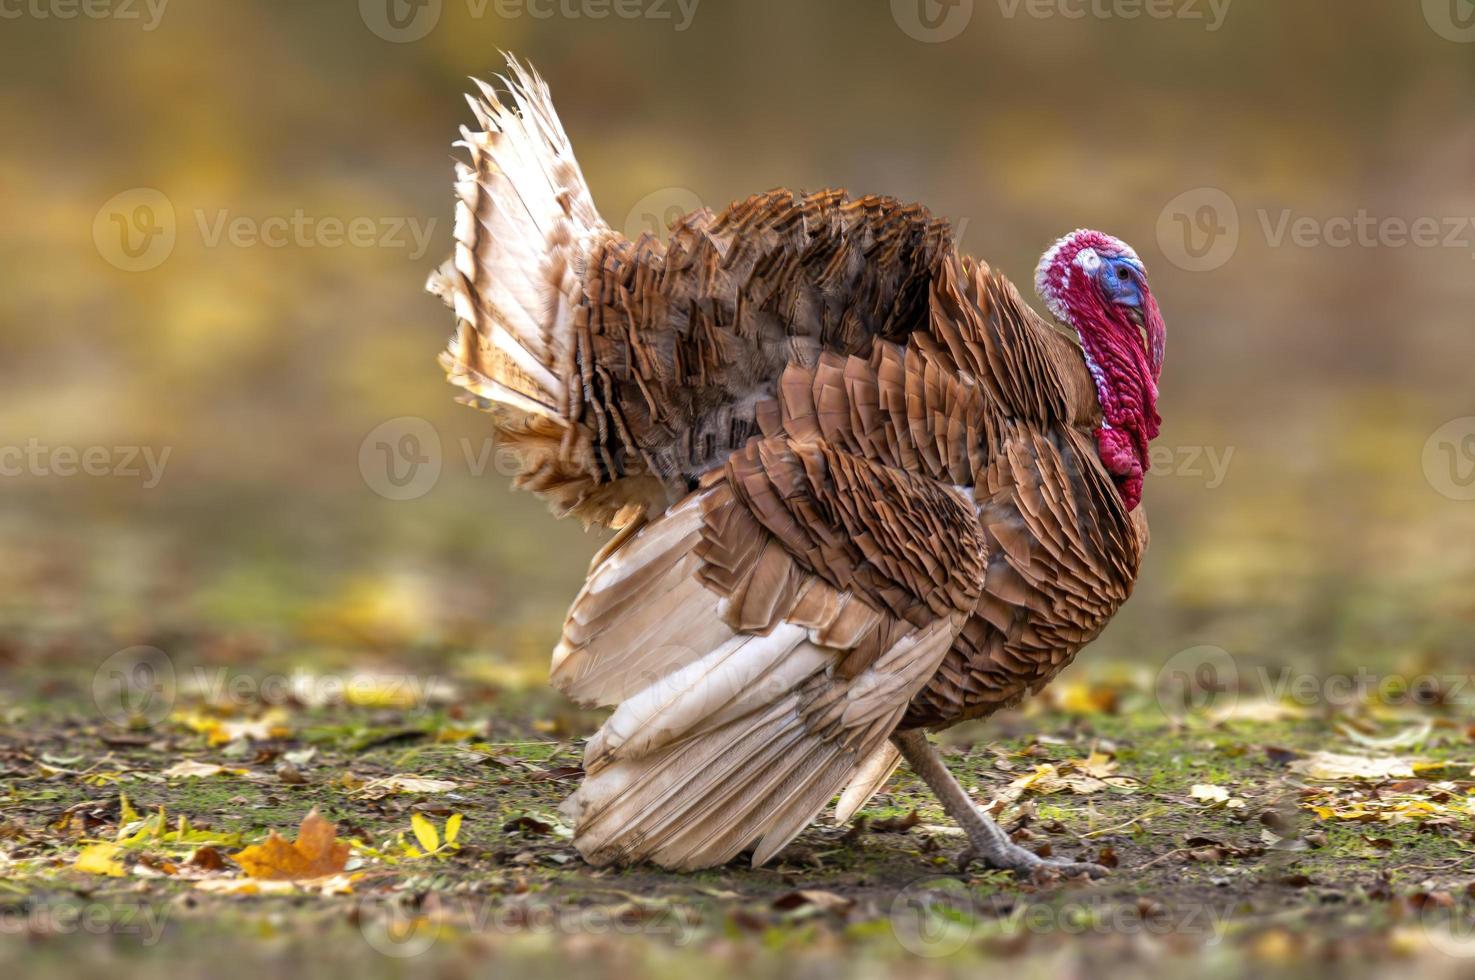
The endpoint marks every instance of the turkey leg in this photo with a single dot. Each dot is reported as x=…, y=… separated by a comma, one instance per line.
x=987, y=841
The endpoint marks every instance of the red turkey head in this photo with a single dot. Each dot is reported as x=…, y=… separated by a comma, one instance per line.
x=1098, y=285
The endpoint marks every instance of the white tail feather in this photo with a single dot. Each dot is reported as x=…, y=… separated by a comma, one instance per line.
x=868, y=780
x=525, y=220
x=721, y=740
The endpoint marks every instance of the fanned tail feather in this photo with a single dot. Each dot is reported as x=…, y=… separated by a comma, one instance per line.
x=525, y=227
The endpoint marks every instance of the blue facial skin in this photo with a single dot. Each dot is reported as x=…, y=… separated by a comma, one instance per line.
x=1121, y=280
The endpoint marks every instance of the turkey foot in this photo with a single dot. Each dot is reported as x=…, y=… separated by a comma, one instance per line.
x=987, y=841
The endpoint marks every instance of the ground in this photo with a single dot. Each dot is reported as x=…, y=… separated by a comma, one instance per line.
x=1243, y=835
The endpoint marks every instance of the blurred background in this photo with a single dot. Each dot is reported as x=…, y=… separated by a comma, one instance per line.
x=223, y=431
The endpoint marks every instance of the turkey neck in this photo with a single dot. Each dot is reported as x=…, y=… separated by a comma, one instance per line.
x=1125, y=387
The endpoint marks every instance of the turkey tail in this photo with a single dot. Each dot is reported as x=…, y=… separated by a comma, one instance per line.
x=525, y=226
x=524, y=218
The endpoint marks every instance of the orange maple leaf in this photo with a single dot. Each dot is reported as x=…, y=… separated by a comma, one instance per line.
x=317, y=852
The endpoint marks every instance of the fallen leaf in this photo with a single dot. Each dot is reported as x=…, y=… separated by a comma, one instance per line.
x=1331, y=765
x=1209, y=794
x=207, y=859
x=404, y=783
x=190, y=769
x=1404, y=739
x=822, y=900
x=425, y=832
x=245, y=886
x=317, y=852
x=101, y=859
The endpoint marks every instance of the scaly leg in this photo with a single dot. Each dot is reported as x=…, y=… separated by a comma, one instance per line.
x=987, y=841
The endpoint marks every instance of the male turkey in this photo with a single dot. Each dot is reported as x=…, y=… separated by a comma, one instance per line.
x=862, y=490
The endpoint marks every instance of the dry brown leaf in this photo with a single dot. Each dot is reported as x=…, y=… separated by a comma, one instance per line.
x=317, y=852
x=814, y=898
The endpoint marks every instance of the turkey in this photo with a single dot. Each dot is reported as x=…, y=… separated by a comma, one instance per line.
x=861, y=490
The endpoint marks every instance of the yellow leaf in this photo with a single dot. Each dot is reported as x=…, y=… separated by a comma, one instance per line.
x=101, y=859
x=424, y=832
x=316, y=852
x=245, y=886
x=453, y=828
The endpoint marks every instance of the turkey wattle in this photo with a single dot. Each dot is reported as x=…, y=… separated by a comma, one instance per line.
x=862, y=490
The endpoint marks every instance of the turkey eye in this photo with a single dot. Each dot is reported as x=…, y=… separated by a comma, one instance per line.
x=1123, y=275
